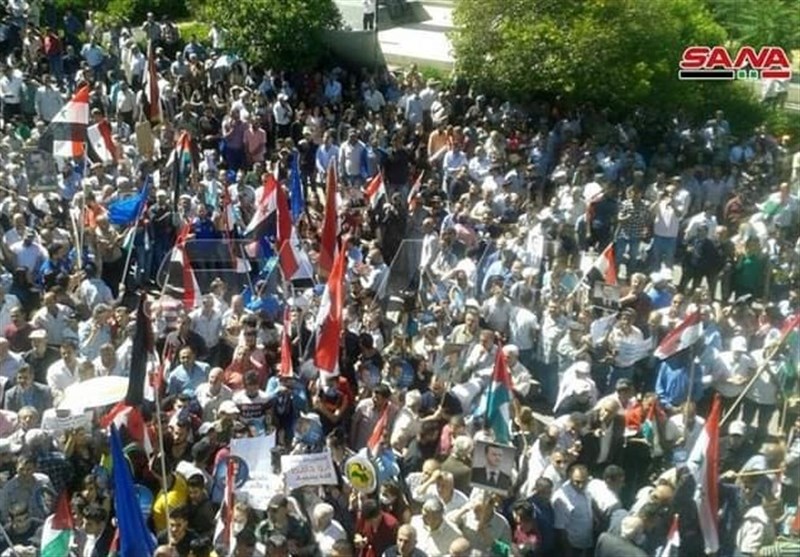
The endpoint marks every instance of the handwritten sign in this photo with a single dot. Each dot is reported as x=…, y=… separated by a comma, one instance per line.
x=308, y=469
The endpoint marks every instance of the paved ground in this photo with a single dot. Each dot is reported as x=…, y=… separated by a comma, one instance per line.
x=423, y=42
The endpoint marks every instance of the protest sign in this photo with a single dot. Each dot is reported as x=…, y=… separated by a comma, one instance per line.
x=606, y=295
x=308, y=469
x=257, y=453
x=633, y=351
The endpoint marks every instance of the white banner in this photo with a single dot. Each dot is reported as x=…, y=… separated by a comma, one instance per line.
x=600, y=327
x=631, y=352
x=308, y=469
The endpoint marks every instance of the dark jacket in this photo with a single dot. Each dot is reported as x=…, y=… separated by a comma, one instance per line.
x=40, y=395
x=611, y=545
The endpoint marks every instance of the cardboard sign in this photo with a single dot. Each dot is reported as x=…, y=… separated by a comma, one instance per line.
x=308, y=469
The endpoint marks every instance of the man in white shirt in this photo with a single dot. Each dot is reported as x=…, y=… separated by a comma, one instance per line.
x=64, y=372
x=48, y=100
x=369, y=14
x=54, y=318
x=666, y=224
x=212, y=394
x=11, y=85
x=350, y=154
x=207, y=323
x=327, y=531
x=29, y=254
x=733, y=370
x=434, y=532
x=605, y=493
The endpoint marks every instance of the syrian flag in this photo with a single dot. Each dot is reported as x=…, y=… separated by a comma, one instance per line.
x=101, y=145
x=686, y=334
x=379, y=432
x=330, y=224
x=498, y=400
x=287, y=368
x=223, y=532
x=604, y=267
x=415, y=188
x=66, y=135
x=180, y=277
x=673, y=539
x=152, y=96
x=294, y=262
x=267, y=205
x=326, y=357
x=703, y=463
x=376, y=190
x=57, y=529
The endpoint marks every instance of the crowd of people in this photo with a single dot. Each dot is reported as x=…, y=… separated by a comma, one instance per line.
x=485, y=239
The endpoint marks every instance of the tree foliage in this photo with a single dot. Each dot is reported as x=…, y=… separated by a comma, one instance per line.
x=760, y=23
x=282, y=34
x=615, y=53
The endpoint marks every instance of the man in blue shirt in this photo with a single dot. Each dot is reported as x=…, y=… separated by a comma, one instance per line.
x=188, y=375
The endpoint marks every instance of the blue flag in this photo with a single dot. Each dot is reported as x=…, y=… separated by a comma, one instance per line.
x=296, y=190
x=135, y=540
x=124, y=212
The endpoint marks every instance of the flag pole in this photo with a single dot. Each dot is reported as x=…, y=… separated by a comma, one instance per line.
x=162, y=456
x=135, y=225
x=692, y=368
x=758, y=372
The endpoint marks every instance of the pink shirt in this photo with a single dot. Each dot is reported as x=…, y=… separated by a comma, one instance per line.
x=255, y=144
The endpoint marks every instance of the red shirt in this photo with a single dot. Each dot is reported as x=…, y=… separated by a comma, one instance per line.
x=379, y=539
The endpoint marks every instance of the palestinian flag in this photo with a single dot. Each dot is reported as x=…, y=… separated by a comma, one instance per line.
x=181, y=163
x=498, y=400
x=66, y=135
x=57, y=530
x=686, y=334
x=789, y=343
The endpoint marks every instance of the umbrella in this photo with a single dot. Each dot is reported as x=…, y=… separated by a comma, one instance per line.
x=94, y=393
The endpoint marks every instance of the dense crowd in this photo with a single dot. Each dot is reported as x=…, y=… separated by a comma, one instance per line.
x=486, y=238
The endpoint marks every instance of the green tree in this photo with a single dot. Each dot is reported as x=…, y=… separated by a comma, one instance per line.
x=275, y=33
x=616, y=53
x=760, y=23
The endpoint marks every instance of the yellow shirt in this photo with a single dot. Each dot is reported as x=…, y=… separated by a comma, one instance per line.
x=175, y=497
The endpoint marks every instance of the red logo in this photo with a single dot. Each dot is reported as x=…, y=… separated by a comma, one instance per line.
x=716, y=63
